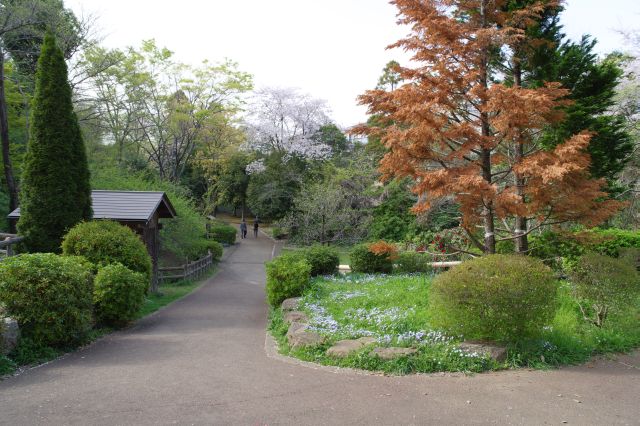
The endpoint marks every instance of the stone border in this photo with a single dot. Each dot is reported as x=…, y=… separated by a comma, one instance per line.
x=271, y=350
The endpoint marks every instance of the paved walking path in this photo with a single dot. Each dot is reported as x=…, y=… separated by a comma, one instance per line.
x=202, y=361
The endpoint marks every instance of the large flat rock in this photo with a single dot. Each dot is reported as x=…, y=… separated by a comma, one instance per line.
x=290, y=304
x=295, y=316
x=300, y=337
x=391, y=353
x=483, y=348
x=344, y=348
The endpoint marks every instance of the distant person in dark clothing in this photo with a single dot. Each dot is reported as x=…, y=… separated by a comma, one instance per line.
x=255, y=228
x=243, y=229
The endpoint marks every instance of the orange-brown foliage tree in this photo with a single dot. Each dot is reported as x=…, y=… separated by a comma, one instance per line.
x=456, y=133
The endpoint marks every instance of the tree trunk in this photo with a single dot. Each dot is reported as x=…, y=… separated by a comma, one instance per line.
x=521, y=241
x=4, y=137
x=485, y=156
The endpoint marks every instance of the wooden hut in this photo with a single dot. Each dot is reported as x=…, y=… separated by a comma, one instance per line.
x=139, y=210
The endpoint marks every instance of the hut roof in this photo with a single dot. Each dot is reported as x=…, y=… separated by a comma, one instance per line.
x=125, y=206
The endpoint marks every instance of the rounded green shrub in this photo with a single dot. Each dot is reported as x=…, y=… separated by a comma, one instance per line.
x=118, y=294
x=49, y=295
x=105, y=242
x=409, y=262
x=222, y=233
x=287, y=276
x=602, y=284
x=505, y=298
x=202, y=247
x=363, y=260
x=324, y=260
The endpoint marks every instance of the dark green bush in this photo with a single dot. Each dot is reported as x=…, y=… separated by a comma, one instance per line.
x=105, y=242
x=118, y=294
x=410, y=261
x=324, y=260
x=602, y=284
x=202, y=247
x=50, y=296
x=222, y=233
x=562, y=249
x=631, y=255
x=362, y=260
x=287, y=276
x=504, y=298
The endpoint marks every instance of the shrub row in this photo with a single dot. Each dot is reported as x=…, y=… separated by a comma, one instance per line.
x=222, y=233
x=289, y=274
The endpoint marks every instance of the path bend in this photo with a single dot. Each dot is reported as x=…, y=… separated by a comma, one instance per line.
x=202, y=361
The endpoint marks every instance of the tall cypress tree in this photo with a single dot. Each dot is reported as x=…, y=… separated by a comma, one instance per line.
x=56, y=192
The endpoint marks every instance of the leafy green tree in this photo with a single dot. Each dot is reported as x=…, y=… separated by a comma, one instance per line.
x=593, y=85
x=332, y=136
x=56, y=192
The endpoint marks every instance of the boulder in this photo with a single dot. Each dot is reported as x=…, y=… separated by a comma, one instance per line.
x=295, y=326
x=9, y=335
x=343, y=348
x=295, y=316
x=290, y=304
x=391, y=353
x=483, y=348
x=301, y=337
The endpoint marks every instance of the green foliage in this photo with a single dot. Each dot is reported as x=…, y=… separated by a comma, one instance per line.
x=222, y=233
x=50, y=296
x=324, y=260
x=362, y=260
x=118, y=294
x=410, y=262
x=180, y=235
x=631, y=255
x=592, y=83
x=332, y=136
x=287, y=276
x=392, y=219
x=602, y=284
x=505, y=298
x=278, y=233
x=105, y=242
x=562, y=249
x=4, y=211
x=55, y=184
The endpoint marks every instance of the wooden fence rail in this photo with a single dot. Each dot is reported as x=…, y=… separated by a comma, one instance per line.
x=194, y=269
x=7, y=242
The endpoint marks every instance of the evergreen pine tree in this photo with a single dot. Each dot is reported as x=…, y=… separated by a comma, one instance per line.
x=56, y=192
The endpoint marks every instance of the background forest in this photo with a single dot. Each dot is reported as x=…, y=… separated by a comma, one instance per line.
x=216, y=144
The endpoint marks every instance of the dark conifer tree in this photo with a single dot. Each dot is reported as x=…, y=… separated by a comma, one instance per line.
x=56, y=191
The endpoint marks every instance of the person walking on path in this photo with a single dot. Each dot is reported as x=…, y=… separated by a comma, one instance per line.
x=243, y=229
x=255, y=228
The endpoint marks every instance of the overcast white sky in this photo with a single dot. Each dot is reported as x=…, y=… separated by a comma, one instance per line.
x=332, y=49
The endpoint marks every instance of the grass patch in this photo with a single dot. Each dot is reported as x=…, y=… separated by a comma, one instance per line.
x=394, y=310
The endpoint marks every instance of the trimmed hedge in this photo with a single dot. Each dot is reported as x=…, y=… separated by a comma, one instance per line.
x=409, y=262
x=106, y=242
x=324, y=260
x=118, y=294
x=363, y=260
x=505, y=298
x=222, y=233
x=49, y=295
x=287, y=276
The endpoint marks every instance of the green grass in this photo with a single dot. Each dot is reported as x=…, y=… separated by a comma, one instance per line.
x=394, y=310
x=29, y=353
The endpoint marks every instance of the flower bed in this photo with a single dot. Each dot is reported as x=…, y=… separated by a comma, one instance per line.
x=393, y=310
